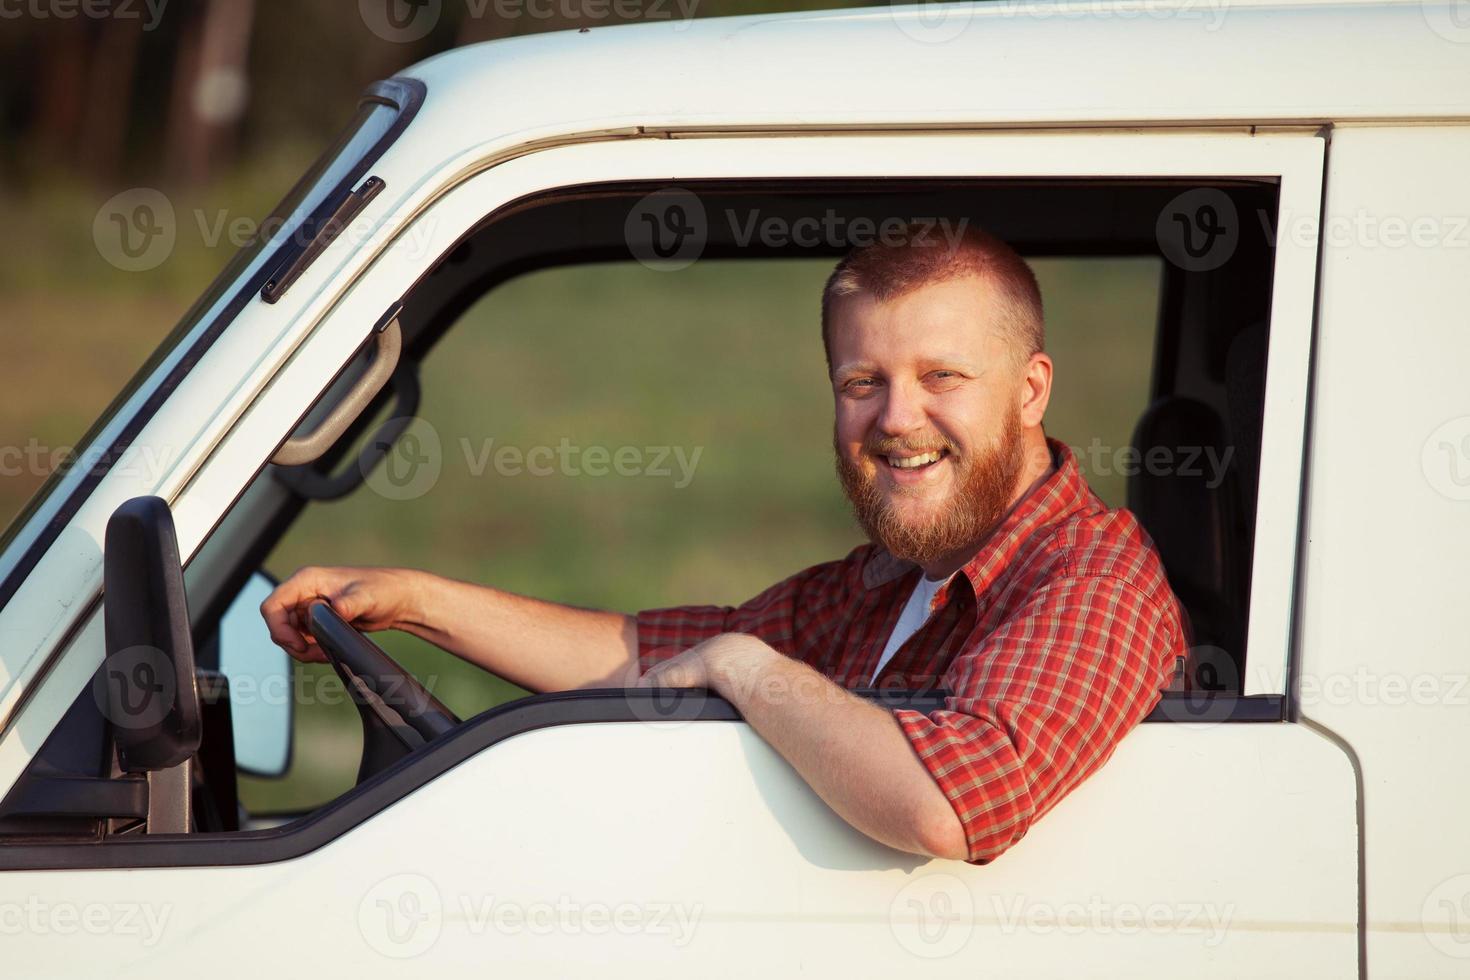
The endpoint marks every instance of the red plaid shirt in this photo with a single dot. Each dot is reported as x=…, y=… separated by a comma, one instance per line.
x=1054, y=641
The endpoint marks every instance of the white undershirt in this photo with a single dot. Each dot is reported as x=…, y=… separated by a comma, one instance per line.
x=915, y=613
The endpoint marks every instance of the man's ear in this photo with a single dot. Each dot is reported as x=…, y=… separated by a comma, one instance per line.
x=1035, y=389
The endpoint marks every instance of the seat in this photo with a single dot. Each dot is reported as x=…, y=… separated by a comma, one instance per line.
x=1189, y=510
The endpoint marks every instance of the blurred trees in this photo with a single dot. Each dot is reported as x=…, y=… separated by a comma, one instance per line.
x=109, y=90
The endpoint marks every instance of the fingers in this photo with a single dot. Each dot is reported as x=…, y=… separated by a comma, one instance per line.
x=678, y=672
x=284, y=611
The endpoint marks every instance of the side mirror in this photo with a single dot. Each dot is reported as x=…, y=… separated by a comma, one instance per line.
x=261, y=702
x=151, y=696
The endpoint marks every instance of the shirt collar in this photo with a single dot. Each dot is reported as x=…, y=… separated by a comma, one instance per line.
x=1062, y=493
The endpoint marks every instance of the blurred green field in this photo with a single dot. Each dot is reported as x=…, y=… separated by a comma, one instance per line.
x=722, y=358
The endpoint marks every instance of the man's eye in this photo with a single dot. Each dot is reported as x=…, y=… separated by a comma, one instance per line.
x=859, y=383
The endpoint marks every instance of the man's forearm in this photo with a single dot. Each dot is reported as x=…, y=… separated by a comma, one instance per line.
x=542, y=646
x=852, y=753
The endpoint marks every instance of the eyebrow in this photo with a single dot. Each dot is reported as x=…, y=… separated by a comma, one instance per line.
x=927, y=364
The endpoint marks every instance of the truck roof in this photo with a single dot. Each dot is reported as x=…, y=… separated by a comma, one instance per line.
x=1003, y=63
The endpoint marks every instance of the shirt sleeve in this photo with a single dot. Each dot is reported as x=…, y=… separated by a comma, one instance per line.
x=793, y=616
x=1041, y=702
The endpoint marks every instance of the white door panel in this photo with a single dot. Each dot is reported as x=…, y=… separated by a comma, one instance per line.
x=691, y=849
x=1383, y=645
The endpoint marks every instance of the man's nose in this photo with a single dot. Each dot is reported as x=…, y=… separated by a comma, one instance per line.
x=903, y=411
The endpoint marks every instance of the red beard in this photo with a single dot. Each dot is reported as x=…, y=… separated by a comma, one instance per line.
x=986, y=483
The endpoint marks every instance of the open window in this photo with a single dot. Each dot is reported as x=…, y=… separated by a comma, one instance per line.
x=536, y=317
x=699, y=387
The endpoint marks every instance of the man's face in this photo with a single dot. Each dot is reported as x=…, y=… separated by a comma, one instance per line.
x=928, y=433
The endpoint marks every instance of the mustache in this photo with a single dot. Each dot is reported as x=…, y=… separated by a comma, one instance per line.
x=895, y=446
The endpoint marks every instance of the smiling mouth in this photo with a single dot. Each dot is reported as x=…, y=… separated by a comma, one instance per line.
x=916, y=461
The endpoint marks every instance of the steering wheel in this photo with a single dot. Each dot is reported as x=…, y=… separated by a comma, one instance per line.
x=398, y=713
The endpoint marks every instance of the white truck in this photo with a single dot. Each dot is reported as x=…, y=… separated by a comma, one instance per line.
x=1294, y=810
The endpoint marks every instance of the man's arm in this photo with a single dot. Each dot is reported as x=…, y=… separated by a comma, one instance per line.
x=542, y=646
x=1037, y=706
x=852, y=753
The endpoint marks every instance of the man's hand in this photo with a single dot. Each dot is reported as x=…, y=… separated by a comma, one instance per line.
x=724, y=664
x=370, y=599
x=854, y=754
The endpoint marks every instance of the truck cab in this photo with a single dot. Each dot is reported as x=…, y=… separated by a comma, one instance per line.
x=1290, y=808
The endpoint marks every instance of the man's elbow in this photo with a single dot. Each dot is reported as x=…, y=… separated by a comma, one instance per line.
x=939, y=832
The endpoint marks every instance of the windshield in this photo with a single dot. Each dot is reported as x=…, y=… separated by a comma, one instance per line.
x=377, y=120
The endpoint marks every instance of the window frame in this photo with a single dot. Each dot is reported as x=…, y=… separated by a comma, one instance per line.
x=1293, y=159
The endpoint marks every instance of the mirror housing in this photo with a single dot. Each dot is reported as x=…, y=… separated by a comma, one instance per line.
x=149, y=692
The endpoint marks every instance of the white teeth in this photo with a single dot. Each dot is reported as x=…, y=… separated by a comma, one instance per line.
x=913, y=462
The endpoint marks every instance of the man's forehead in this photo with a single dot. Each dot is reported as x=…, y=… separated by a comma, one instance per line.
x=953, y=318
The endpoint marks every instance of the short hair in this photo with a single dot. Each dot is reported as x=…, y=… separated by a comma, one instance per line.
x=925, y=256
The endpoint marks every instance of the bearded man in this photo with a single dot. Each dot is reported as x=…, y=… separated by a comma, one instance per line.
x=993, y=572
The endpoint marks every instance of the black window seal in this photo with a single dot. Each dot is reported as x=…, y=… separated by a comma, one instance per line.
x=405, y=94
x=611, y=705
